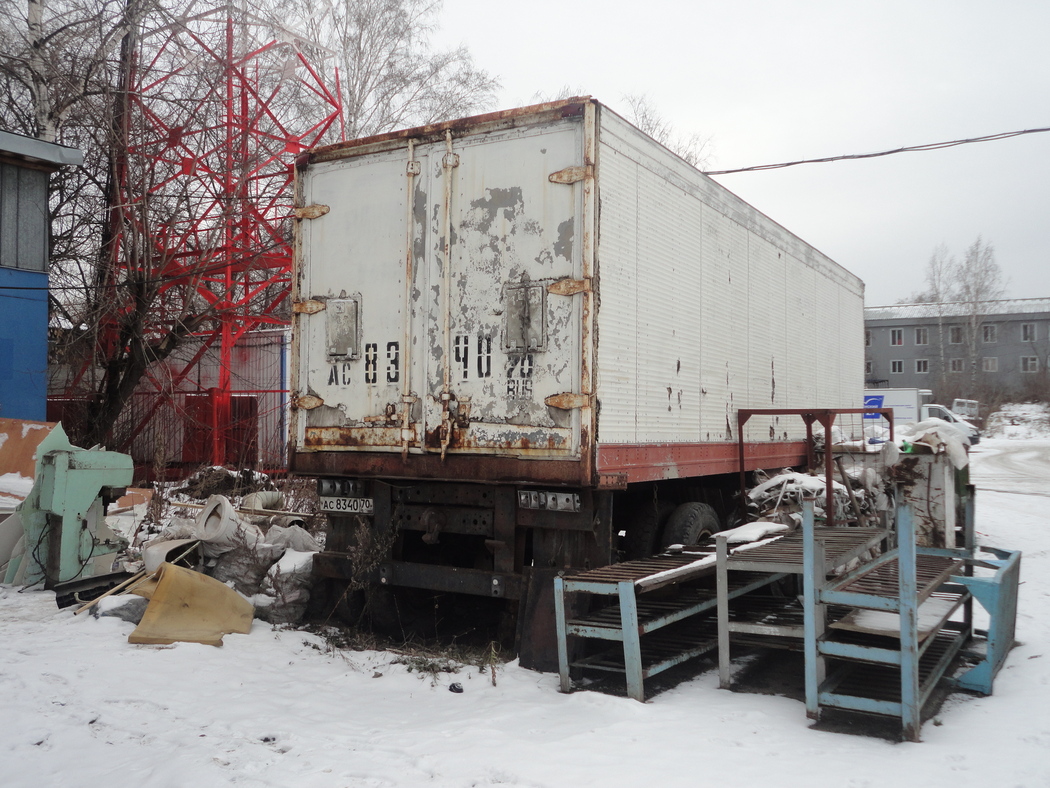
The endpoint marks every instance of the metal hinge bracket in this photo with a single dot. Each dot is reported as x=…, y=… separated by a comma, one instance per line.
x=307, y=402
x=568, y=401
x=568, y=287
x=572, y=174
x=311, y=211
x=308, y=307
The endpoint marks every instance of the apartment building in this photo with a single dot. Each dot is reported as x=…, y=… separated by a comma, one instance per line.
x=1001, y=348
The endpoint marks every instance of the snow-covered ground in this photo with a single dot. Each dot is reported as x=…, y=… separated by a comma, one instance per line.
x=82, y=707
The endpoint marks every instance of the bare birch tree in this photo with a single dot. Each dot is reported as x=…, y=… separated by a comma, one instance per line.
x=968, y=285
x=976, y=279
x=391, y=76
x=938, y=274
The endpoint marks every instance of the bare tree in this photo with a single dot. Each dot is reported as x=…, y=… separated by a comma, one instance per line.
x=938, y=275
x=391, y=76
x=694, y=149
x=57, y=57
x=968, y=285
x=130, y=282
x=974, y=281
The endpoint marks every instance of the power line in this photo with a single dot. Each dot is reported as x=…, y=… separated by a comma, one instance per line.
x=908, y=149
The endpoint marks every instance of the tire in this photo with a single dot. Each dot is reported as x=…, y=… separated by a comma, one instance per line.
x=690, y=523
x=643, y=524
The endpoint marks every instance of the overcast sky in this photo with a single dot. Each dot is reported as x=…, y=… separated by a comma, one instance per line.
x=774, y=81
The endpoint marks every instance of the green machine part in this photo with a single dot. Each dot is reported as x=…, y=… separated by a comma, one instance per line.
x=64, y=515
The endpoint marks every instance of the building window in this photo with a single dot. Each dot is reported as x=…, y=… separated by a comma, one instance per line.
x=990, y=364
x=989, y=334
x=922, y=336
x=868, y=367
x=922, y=366
x=955, y=335
x=1029, y=363
x=1028, y=332
x=23, y=218
x=896, y=336
x=867, y=338
x=956, y=365
x=896, y=367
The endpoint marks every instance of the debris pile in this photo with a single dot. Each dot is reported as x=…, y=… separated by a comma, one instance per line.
x=868, y=471
x=779, y=499
x=254, y=551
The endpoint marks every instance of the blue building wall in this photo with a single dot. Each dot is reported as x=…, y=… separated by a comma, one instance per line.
x=23, y=344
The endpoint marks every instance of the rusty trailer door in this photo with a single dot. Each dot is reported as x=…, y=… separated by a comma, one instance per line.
x=444, y=297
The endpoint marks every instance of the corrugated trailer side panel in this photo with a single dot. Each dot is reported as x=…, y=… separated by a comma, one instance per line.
x=647, y=285
x=722, y=337
x=707, y=281
x=619, y=371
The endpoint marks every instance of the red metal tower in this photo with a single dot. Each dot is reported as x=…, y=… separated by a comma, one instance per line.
x=218, y=106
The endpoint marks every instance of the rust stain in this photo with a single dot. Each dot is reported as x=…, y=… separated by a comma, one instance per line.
x=565, y=108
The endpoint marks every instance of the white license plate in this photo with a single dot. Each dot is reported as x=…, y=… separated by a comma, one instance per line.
x=348, y=505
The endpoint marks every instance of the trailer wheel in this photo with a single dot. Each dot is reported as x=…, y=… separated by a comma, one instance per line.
x=642, y=525
x=690, y=523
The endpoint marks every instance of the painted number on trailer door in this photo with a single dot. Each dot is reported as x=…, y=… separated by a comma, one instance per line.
x=519, y=377
x=339, y=374
x=461, y=349
x=470, y=357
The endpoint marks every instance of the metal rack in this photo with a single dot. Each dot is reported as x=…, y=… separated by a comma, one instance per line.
x=778, y=618
x=661, y=613
x=889, y=663
x=658, y=613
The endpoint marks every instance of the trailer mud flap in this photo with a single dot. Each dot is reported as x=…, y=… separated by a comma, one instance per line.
x=537, y=636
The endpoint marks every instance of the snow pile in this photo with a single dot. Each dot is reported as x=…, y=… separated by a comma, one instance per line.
x=939, y=437
x=780, y=497
x=752, y=532
x=1019, y=421
x=83, y=707
x=14, y=488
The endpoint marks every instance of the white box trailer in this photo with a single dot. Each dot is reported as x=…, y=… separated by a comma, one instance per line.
x=509, y=326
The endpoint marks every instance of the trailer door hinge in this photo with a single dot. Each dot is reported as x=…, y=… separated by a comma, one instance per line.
x=308, y=307
x=568, y=287
x=568, y=401
x=311, y=211
x=307, y=402
x=572, y=174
